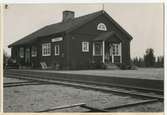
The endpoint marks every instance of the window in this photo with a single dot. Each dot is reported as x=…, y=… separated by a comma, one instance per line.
x=21, y=52
x=101, y=26
x=97, y=49
x=85, y=46
x=116, y=49
x=34, y=51
x=57, y=50
x=46, y=49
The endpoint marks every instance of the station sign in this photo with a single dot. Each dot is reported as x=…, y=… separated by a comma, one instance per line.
x=57, y=39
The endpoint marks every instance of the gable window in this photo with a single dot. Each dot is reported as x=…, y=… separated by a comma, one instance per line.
x=34, y=51
x=57, y=50
x=46, y=49
x=85, y=46
x=102, y=27
x=97, y=49
x=21, y=52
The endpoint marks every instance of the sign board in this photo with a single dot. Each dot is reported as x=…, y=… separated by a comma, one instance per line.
x=57, y=39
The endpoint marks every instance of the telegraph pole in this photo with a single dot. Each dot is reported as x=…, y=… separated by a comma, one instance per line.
x=102, y=6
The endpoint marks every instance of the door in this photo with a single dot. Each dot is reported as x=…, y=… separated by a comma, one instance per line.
x=108, y=52
x=115, y=53
x=27, y=56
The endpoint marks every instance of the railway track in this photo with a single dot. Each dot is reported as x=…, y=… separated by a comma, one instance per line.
x=148, y=95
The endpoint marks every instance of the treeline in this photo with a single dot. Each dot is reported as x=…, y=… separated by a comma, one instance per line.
x=149, y=60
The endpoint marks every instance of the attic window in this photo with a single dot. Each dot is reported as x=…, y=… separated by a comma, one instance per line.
x=102, y=27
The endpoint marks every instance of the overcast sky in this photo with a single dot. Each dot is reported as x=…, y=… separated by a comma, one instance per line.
x=143, y=21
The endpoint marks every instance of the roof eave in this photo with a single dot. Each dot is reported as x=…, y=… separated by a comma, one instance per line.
x=19, y=44
x=119, y=27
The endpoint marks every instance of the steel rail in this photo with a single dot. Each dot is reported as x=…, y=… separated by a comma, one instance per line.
x=62, y=107
x=22, y=84
x=131, y=104
x=110, y=109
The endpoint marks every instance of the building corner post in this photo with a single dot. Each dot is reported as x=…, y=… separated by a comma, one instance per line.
x=103, y=58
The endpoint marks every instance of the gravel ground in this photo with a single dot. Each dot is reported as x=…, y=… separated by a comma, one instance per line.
x=141, y=73
x=10, y=80
x=33, y=98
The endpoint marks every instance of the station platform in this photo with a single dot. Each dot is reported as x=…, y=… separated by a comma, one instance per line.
x=140, y=73
x=143, y=77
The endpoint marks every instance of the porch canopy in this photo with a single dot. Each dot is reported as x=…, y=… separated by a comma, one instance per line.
x=104, y=36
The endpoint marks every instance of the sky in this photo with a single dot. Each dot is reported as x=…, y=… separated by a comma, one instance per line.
x=144, y=22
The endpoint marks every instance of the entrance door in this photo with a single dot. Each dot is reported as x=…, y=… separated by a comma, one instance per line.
x=115, y=53
x=27, y=56
x=108, y=53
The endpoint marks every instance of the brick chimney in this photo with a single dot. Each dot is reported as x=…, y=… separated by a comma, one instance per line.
x=68, y=15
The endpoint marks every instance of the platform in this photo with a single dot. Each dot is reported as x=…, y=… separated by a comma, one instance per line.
x=141, y=73
x=143, y=78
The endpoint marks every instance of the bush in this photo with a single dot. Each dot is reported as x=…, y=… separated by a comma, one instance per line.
x=97, y=65
x=124, y=66
x=56, y=66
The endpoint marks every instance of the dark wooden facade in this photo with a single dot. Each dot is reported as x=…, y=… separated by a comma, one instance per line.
x=71, y=55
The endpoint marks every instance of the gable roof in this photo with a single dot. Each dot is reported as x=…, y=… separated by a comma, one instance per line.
x=62, y=27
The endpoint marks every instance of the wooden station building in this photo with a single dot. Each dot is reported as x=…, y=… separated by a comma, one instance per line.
x=75, y=43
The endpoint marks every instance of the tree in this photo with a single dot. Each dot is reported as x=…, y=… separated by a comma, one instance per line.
x=5, y=58
x=161, y=61
x=135, y=61
x=149, y=58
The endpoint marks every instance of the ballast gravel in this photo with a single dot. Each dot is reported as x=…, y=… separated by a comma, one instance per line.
x=34, y=98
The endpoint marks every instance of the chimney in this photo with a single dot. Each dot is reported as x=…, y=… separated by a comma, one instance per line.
x=68, y=15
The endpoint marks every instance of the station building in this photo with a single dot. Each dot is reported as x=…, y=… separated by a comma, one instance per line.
x=75, y=43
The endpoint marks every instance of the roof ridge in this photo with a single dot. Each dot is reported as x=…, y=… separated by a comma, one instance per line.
x=75, y=18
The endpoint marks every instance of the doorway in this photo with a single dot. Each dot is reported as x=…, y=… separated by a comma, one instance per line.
x=113, y=53
x=27, y=56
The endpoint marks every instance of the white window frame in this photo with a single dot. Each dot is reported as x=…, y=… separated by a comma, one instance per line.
x=85, y=46
x=57, y=49
x=116, y=49
x=21, y=52
x=102, y=27
x=46, y=49
x=34, y=51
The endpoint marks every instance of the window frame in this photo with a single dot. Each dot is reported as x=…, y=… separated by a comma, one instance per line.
x=116, y=49
x=101, y=27
x=34, y=51
x=85, y=46
x=94, y=49
x=57, y=49
x=46, y=49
